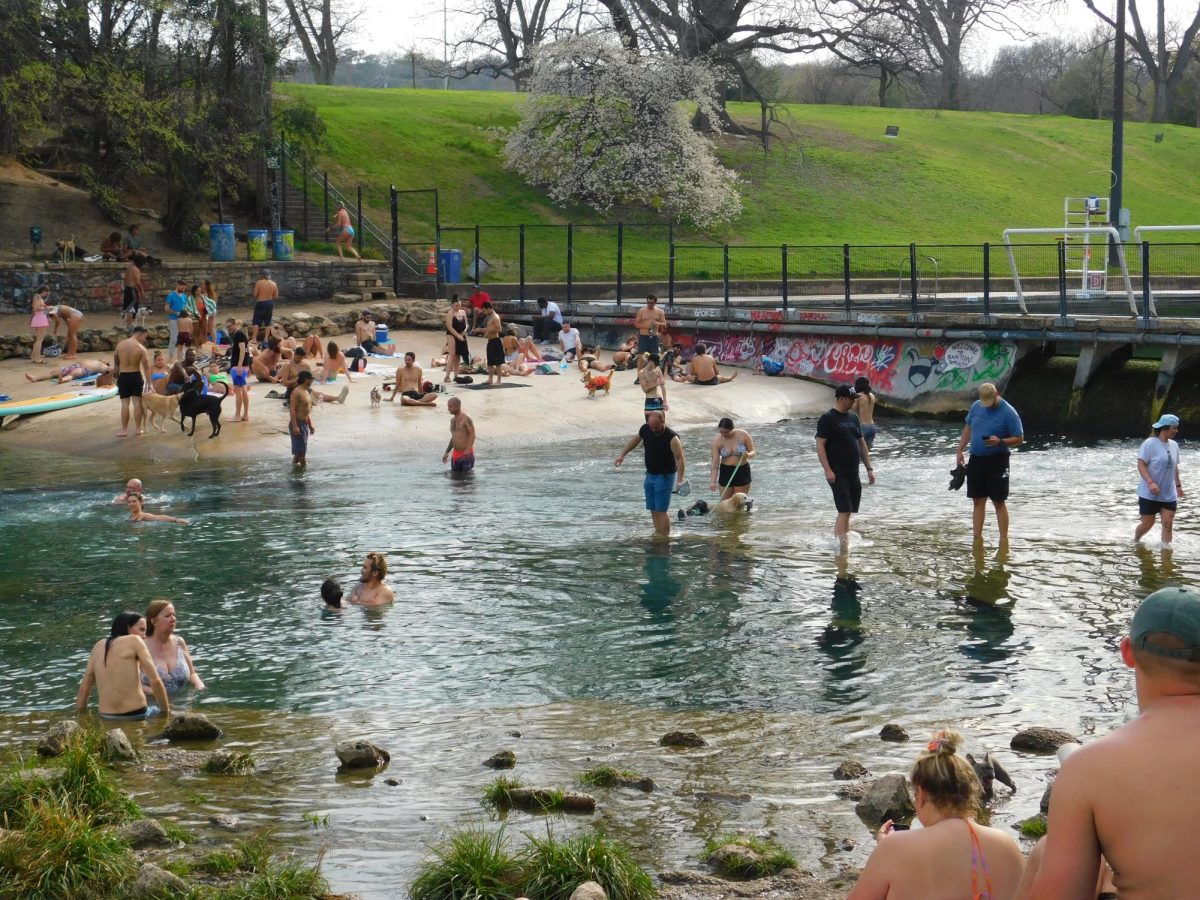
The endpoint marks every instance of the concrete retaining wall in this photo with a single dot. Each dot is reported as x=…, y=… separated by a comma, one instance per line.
x=98, y=286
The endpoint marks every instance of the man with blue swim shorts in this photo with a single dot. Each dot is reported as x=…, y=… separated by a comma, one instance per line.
x=993, y=428
x=665, y=466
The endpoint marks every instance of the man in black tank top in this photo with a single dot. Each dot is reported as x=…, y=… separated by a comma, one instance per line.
x=665, y=467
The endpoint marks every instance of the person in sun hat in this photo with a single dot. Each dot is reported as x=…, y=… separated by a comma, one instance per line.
x=840, y=448
x=1131, y=797
x=993, y=428
x=1159, y=489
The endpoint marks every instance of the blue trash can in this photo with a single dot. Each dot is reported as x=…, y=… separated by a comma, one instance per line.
x=221, y=242
x=284, y=243
x=450, y=264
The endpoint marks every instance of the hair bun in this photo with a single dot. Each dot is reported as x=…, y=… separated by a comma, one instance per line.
x=945, y=742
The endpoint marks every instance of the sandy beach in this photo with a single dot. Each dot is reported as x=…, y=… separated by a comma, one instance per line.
x=539, y=409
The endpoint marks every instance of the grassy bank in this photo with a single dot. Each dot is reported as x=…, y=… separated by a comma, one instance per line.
x=833, y=177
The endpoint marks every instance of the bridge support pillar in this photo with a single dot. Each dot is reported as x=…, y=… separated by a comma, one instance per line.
x=1091, y=357
x=1175, y=359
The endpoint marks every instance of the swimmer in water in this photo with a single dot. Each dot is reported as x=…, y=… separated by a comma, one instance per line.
x=331, y=594
x=132, y=486
x=115, y=667
x=136, y=514
x=371, y=590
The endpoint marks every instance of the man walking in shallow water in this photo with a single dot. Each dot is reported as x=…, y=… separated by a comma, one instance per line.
x=993, y=428
x=461, y=449
x=665, y=466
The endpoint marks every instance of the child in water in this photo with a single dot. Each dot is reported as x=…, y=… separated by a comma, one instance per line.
x=331, y=593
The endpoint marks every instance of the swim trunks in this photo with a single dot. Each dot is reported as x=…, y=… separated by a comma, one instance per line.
x=348, y=229
x=300, y=441
x=495, y=352
x=184, y=339
x=1154, y=507
x=711, y=381
x=264, y=312
x=412, y=395
x=130, y=301
x=868, y=433
x=239, y=374
x=135, y=714
x=462, y=461
x=657, y=489
x=653, y=404
x=741, y=479
x=847, y=493
x=647, y=343
x=130, y=384
x=370, y=346
x=987, y=476
x=461, y=351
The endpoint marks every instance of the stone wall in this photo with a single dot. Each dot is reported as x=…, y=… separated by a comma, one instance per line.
x=98, y=286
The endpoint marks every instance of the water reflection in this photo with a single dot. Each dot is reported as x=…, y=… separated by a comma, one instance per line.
x=987, y=606
x=842, y=637
x=1155, y=574
x=659, y=587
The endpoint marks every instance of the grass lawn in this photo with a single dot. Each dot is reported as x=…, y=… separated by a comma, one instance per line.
x=831, y=177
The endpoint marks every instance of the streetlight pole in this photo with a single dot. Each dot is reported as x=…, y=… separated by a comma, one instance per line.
x=1118, y=131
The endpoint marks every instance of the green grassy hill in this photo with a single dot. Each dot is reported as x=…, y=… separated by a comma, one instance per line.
x=833, y=177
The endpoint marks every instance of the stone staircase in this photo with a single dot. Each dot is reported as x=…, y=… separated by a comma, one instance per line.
x=364, y=288
x=308, y=221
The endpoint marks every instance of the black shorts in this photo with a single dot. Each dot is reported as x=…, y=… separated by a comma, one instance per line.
x=495, y=352
x=462, y=351
x=741, y=479
x=130, y=384
x=647, y=343
x=130, y=302
x=1154, y=507
x=711, y=381
x=987, y=477
x=847, y=493
x=412, y=395
x=264, y=312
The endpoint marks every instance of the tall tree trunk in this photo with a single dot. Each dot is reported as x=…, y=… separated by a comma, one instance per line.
x=884, y=79
x=951, y=76
x=1162, y=98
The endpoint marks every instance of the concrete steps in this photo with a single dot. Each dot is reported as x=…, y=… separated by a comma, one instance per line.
x=378, y=295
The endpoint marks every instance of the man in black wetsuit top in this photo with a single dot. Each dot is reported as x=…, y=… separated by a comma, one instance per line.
x=665, y=466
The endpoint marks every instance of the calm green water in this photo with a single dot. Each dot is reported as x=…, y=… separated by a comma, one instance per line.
x=532, y=600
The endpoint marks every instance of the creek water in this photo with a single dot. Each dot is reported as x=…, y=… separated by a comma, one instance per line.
x=531, y=599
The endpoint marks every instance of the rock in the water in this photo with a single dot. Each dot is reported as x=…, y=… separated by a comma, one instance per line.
x=848, y=844
x=514, y=734
x=645, y=783
x=733, y=859
x=724, y=796
x=893, y=732
x=361, y=755
x=1042, y=740
x=589, y=890
x=682, y=739
x=228, y=762
x=117, y=747
x=391, y=782
x=155, y=882
x=58, y=738
x=539, y=799
x=887, y=798
x=1044, y=806
x=225, y=822
x=505, y=759
x=191, y=726
x=143, y=833
x=850, y=770
x=855, y=790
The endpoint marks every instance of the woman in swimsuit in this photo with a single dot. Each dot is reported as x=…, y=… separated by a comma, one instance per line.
x=864, y=408
x=39, y=323
x=137, y=501
x=113, y=667
x=168, y=651
x=457, y=351
x=653, y=385
x=949, y=857
x=239, y=372
x=159, y=372
x=732, y=450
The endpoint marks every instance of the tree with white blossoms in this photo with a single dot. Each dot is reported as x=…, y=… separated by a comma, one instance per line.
x=604, y=127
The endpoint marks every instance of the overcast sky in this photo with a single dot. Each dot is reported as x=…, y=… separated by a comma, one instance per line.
x=395, y=25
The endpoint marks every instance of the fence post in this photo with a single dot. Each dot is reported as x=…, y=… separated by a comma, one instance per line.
x=912, y=277
x=395, y=240
x=1062, y=279
x=325, y=190
x=304, y=195
x=570, y=265
x=783, y=259
x=987, y=279
x=620, y=259
x=283, y=182
x=725, y=272
x=1147, y=296
x=846, y=275
x=476, y=278
x=359, y=220
x=521, y=260
x=671, y=265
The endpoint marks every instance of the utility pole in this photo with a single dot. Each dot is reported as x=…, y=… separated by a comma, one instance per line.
x=446, y=46
x=1118, y=132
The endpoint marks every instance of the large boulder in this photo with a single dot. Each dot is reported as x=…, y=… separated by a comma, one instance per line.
x=361, y=755
x=191, y=726
x=1042, y=740
x=589, y=890
x=142, y=833
x=153, y=882
x=58, y=738
x=887, y=798
x=505, y=759
x=117, y=747
x=893, y=732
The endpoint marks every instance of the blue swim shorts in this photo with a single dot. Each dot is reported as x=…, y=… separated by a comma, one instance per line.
x=658, y=491
x=300, y=441
x=239, y=375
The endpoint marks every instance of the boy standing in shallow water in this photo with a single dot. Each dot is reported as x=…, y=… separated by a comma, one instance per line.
x=300, y=425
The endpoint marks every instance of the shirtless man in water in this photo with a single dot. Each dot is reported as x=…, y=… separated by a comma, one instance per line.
x=370, y=590
x=1132, y=796
x=132, y=486
x=461, y=450
x=132, y=362
x=408, y=384
x=115, y=667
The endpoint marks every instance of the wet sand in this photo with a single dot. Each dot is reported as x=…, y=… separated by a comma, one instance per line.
x=545, y=409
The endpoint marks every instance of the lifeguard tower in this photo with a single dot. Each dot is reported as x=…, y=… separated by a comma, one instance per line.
x=1086, y=251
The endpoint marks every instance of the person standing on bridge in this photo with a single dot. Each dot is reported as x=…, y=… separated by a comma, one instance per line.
x=993, y=428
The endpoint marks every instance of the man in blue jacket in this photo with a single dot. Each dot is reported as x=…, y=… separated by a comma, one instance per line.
x=993, y=428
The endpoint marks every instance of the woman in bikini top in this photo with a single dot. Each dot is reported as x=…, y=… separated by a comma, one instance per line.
x=950, y=857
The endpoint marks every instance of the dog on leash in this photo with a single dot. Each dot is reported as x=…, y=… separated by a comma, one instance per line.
x=376, y=397
x=594, y=382
x=160, y=405
x=66, y=249
x=193, y=404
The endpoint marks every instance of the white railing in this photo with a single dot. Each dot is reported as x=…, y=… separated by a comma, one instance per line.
x=1108, y=230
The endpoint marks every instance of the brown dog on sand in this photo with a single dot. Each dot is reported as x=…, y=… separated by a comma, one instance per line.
x=162, y=406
